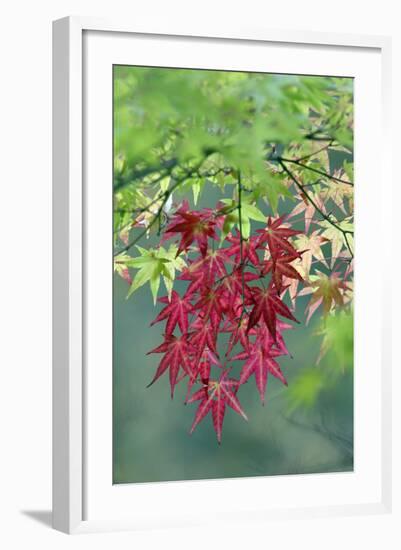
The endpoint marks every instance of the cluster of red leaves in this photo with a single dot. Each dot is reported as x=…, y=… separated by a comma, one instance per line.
x=236, y=290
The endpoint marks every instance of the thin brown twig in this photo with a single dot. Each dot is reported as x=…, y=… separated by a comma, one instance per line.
x=306, y=157
x=132, y=175
x=316, y=170
x=167, y=194
x=345, y=232
x=138, y=212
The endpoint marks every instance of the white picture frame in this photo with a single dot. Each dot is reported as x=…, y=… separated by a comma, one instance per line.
x=75, y=480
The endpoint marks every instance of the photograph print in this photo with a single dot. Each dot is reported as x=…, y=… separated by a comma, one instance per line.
x=233, y=259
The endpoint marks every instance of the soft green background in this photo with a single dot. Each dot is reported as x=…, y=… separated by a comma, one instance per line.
x=151, y=440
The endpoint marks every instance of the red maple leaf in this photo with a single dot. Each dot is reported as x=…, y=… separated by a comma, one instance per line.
x=266, y=340
x=239, y=333
x=176, y=355
x=260, y=362
x=212, y=265
x=249, y=247
x=201, y=369
x=267, y=306
x=280, y=267
x=235, y=283
x=202, y=336
x=193, y=226
x=210, y=306
x=277, y=237
x=220, y=393
x=197, y=279
x=176, y=312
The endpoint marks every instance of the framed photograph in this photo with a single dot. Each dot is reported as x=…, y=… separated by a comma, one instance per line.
x=219, y=328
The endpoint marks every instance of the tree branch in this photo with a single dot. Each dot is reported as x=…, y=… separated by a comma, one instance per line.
x=165, y=196
x=132, y=175
x=326, y=217
x=316, y=170
x=306, y=157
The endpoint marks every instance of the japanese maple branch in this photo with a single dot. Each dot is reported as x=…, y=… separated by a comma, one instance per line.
x=165, y=198
x=166, y=167
x=138, y=212
x=322, y=129
x=301, y=187
x=316, y=170
x=158, y=197
x=314, y=153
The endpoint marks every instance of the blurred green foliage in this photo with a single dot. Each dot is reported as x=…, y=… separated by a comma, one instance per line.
x=185, y=113
x=168, y=121
x=334, y=360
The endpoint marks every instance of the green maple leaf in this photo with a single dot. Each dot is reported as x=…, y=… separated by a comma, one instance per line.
x=197, y=185
x=153, y=264
x=174, y=264
x=272, y=187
